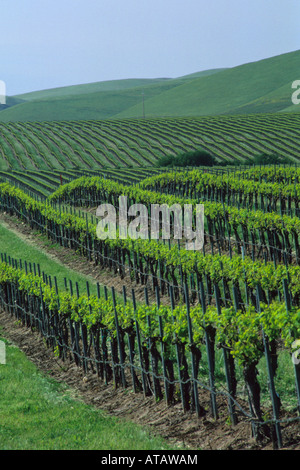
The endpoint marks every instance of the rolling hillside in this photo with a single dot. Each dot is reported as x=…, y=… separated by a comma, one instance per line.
x=99, y=144
x=258, y=87
x=101, y=100
x=101, y=125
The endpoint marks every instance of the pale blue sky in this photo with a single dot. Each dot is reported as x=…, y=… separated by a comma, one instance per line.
x=51, y=43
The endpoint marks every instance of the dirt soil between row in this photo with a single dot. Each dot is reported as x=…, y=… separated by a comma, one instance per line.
x=170, y=422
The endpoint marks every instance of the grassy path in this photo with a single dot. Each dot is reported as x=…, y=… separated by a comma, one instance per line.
x=16, y=246
x=20, y=242
x=38, y=413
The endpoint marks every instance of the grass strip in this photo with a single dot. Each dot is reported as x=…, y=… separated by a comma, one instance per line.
x=38, y=413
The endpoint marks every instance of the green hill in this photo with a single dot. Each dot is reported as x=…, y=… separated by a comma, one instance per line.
x=92, y=101
x=257, y=87
x=100, y=100
x=110, y=85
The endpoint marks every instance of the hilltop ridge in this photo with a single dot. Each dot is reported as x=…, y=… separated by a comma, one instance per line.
x=263, y=86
